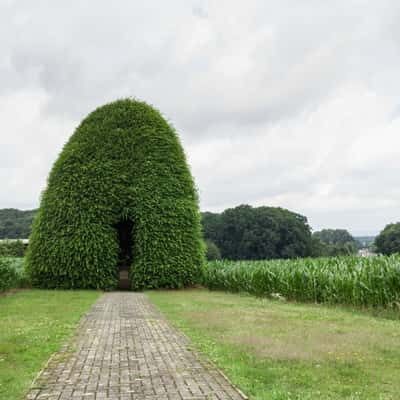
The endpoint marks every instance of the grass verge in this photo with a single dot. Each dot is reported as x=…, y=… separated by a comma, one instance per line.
x=34, y=324
x=287, y=351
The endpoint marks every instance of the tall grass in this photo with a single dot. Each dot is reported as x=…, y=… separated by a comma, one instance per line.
x=373, y=281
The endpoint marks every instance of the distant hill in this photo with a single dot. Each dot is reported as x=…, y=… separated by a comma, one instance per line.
x=15, y=224
x=364, y=241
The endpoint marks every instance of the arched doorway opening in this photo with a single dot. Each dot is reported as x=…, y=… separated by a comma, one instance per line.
x=124, y=229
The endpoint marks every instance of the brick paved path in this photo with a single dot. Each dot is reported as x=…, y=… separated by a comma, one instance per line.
x=125, y=349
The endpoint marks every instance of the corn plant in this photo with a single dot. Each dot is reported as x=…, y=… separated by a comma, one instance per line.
x=358, y=281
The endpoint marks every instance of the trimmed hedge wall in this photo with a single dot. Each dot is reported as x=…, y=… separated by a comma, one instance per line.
x=124, y=162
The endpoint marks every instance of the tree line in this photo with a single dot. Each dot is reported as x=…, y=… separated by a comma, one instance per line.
x=15, y=224
x=248, y=233
x=258, y=233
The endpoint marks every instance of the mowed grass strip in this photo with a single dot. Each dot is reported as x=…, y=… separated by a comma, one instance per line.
x=287, y=351
x=33, y=325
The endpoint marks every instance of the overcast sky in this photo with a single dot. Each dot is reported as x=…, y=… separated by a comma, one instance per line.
x=291, y=103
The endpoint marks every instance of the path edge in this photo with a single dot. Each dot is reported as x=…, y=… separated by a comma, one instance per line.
x=63, y=348
x=201, y=357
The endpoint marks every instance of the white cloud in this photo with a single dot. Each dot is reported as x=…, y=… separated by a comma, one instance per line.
x=30, y=142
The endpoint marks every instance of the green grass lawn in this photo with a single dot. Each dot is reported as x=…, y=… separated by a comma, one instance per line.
x=284, y=351
x=33, y=325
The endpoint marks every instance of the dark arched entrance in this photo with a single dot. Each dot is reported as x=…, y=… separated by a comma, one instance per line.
x=124, y=229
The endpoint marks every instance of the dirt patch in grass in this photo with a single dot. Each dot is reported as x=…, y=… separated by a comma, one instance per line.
x=268, y=334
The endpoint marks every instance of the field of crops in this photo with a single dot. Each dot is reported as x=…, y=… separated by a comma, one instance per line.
x=373, y=281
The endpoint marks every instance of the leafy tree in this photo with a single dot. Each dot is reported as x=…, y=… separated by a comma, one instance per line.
x=213, y=252
x=334, y=236
x=333, y=242
x=388, y=241
x=318, y=248
x=211, y=224
x=246, y=232
x=15, y=224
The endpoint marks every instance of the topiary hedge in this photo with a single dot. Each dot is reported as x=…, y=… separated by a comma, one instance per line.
x=123, y=163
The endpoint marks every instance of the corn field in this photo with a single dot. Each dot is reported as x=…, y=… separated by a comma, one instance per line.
x=372, y=282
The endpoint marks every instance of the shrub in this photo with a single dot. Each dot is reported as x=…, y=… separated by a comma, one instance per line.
x=213, y=252
x=123, y=165
x=9, y=278
x=12, y=248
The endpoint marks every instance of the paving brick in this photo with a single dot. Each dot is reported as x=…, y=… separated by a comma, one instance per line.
x=124, y=349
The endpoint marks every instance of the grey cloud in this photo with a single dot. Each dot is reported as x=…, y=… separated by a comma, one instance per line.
x=271, y=99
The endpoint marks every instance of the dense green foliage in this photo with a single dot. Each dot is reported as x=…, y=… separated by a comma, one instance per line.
x=12, y=248
x=333, y=242
x=123, y=163
x=253, y=233
x=213, y=252
x=11, y=273
x=388, y=241
x=15, y=224
x=372, y=281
